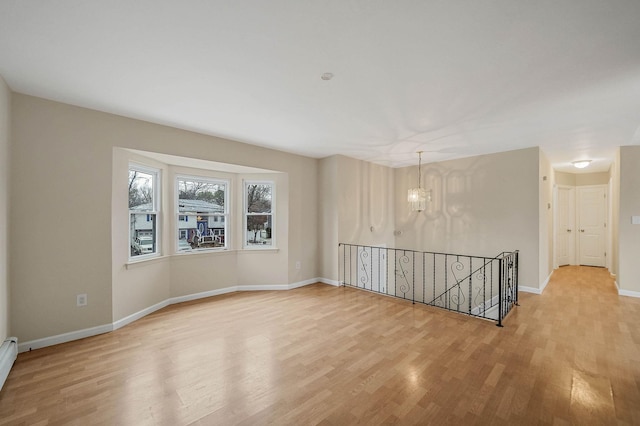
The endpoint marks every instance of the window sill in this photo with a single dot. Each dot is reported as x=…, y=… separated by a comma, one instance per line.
x=225, y=251
x=198, y=253
x=131, y=264
x=259, y=250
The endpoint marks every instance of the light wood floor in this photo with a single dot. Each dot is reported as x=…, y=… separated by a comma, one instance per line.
x=336, y=356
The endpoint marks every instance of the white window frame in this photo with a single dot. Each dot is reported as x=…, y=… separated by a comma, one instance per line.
x=156, y=194
x=225, y=214
x=246, y=214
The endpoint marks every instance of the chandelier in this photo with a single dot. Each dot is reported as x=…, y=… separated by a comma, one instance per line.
x=418, y=197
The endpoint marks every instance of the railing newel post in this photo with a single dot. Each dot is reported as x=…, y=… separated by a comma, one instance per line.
x=517, y=274
x=500, y=271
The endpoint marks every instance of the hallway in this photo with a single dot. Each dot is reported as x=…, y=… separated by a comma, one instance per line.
x=582, y=342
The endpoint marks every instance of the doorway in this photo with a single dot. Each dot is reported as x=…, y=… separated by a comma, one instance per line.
x=581, y=225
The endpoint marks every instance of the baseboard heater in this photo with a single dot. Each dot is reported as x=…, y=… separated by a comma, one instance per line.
x=8, y=354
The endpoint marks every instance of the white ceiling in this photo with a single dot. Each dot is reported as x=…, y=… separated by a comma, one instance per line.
x=452, y=78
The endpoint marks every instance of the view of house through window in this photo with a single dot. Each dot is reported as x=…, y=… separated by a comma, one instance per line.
x=143, y=211
x=202, y=214
x=259, y=223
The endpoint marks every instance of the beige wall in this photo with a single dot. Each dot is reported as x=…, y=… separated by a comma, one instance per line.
x=365, y=203
x=565, y=179
x=586, y=179
x=60, y=211
x=481, y=206
x=356, y=207
x=66, y=166
x=629, y=205
x=5, y=113
x=581, y=179
x=545, y=181
x=328, y=193
x=615, y=214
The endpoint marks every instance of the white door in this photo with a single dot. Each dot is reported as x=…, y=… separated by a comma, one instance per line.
x=565, y=226
x=592, y=215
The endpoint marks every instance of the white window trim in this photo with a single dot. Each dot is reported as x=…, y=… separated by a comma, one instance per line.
x=157, y=193
x=207, y=179
x=273, y=245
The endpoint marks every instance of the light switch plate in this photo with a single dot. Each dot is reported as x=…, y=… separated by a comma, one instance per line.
x=635, y=220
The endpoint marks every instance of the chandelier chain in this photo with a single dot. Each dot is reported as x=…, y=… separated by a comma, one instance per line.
x=419, y=169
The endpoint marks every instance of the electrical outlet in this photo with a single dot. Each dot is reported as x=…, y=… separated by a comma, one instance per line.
x=298, y=265
x=81, y=299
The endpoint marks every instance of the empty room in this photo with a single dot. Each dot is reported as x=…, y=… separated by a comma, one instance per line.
x=335, y=213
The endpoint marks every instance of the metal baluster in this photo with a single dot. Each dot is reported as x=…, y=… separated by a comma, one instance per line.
x=500, y=294
x=413, y=279
x=470, y=282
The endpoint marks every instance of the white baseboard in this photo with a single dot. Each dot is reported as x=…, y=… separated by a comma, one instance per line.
x=266, y=287
x=64, y=338
x=136, y=316
x=304, y=283
x=529, y=289
x=487, y=306
x=628, y=293
x=8, y=354
x=202, y=295
x=545, y=282
x=534, y=290
x=330, y=282
x=94, y=331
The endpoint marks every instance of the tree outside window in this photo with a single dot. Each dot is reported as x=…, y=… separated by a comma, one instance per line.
x=259, y=197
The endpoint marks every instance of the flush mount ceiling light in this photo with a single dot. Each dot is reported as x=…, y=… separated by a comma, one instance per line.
x=581, y=164
x=327, y=76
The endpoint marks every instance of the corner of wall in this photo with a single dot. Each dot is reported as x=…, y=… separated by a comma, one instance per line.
x=5, y=178
x=545, y=219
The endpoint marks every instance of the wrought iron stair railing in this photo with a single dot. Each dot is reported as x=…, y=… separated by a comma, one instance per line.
x=485, y=287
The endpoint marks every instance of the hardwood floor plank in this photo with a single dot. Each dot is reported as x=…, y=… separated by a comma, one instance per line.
x=337, y=356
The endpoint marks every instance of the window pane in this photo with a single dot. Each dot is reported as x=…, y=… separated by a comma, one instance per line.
x=259, y=198
x=259, y=229
x=198, y=196
x=142, y=231
x=201, y=208
x=143, y=211
x=140, y=191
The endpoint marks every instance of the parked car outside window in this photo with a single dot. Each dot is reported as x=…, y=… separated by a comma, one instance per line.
x=142, y=245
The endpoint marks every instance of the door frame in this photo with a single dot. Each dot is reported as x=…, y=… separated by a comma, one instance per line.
x=609, y=231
